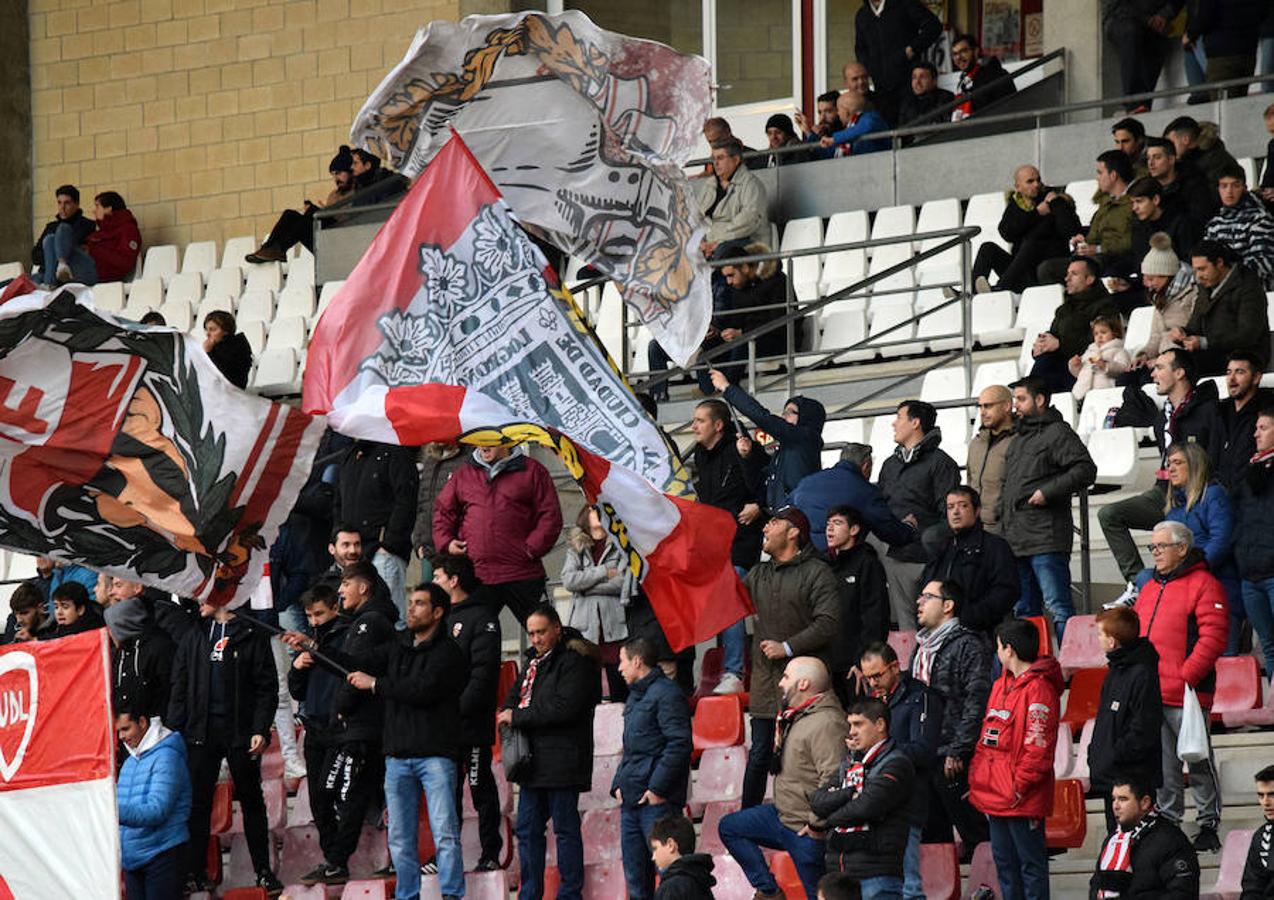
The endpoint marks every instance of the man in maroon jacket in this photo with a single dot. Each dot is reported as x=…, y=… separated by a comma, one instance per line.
x=117, y=242
x=501, y=510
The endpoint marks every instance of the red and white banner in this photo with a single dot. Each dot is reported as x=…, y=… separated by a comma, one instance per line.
x=57, y=771
x=123, y=448
x=452, y=327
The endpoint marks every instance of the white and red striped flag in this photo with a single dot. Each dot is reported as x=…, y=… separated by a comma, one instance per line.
x=452, y=327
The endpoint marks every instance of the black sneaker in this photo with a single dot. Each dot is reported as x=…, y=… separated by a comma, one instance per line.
x=199, y=884
x=487, y=865
x=385, y=872
x=1206, y=841
x=326, y=874
x=429, y=868
x=268, y=880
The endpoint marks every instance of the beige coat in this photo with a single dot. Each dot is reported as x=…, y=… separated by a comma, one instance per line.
x=741, y=215
x=812, y=754
x=985, y=472
x=1175, y=313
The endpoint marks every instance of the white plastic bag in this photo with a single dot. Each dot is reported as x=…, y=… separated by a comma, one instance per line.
x=1192, y=739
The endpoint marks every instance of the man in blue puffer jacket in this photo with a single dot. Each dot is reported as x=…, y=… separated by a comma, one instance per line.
x=154, y=805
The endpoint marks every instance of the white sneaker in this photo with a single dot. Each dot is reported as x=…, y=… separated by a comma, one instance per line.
x=1127, y=598
x=729, y=684
x=981, y=285
x=293, y=768
x=64, y=273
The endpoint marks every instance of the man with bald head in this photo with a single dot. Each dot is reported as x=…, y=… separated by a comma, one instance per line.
x=985, y=466
x=858, y=81
x=1038, y=222
x=809, y=744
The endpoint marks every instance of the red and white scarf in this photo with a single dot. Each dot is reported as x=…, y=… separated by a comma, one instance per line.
x=528, y=683
x=782, y=723
x=1263, y=457
x=855, y=776
x=1116, y=856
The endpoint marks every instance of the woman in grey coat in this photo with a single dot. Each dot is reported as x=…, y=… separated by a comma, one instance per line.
x=596, y=573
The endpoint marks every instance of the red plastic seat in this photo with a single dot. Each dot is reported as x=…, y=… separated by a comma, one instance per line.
x=1238, y=685
x=1063, y=752
x=600, y=831
x=239, y=870
x=300, y=854
x=302, y=814
x=709, y=837
x=785, y=874
x=732, y=884
x=717, y=722
x=272, y=761
x=371, y=889
x=982, y=870
x=276, y=804
x=1080, y=647
x=720, y=777
x=1085, y=694
x=305, y=892
x=471, y=843
x=1045, y=629
x=940, y=871
x=1233, y=856
x=608, y=729
x=904, y=644
x=246, y=893
x=222, y=807
x=604, y=881
x=486, y=886
x=1067, y=827
x=372, y=853
x=599, y=797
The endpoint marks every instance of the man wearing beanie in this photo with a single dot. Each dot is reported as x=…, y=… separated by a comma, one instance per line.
x=295, y=227
x=781, y=133
x=797, y=603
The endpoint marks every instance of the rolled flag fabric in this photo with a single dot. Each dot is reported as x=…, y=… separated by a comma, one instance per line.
x=452, y=327
x=123, y=449
x=584, y=131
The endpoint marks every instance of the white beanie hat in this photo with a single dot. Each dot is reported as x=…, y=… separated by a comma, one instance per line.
x=1160, y=260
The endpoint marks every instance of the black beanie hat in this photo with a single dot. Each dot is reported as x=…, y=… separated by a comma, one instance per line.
x=343, y=161
x=781, y=122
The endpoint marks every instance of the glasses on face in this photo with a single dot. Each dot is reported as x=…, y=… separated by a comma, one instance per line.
x=1156, y=548
x=875, y=676
x=926, y=597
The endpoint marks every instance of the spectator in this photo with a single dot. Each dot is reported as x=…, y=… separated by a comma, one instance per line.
x=1140, y=29
x=346, y=548
x=925, y=96
x=295, y=227
x=1230, y=312
x=1130, y=139
x=1255, y=552
x=753, y=286
x=985, y=464
x=1011, y=776
x=860, y=120
x=595, y=570
x=117, y=242
x=955, y=663
x=781, y=135
x=1199, y=145
x=376, y=493
x=1127, y=740
x=1150, y=217
x=797, y=602
x=1103, y=360
x=1038, y=221
x=977, y=72
x=856, y=79
x=50, y=574
x=419, y=675
x=153, y=318
x=683, y=874
x=1110, y=232
x=1185, y=189
x=866, y=804
x=717, y=129
x=914, y=481
x=915, y=722
x=552, y=704
x=848, y=484
x=227, y=347
x=1172, y=297
x=654, y=773
x=1233, y=436
x=142, y=663
x=1046, y=465
x=1230, y=32
x=838, y=886
x=798, y=431
x=827, y=123
x=808, y=748
x=153, y=800
x=476, y=629
x=1184, y=613
x=501, y=511
x=1267, y=176
x=1258, y=869
x=733, y=201
x=728, y=480
x=372, y=183
x=224, y=694
x=1243, y=225
x=27, y=620
x=1146, y=855
x=59, y=254
x=438, y=462
x=1188, y=413
x=888, y=39
x=1086, y=299
x=864, y=599
x=73, y=612
x=980, y=563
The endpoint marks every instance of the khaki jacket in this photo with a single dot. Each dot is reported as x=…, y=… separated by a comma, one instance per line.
x=812, y=754
x=741, y=214
x=985, y=469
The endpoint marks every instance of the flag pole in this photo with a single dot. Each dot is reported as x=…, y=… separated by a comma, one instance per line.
x=311, y=646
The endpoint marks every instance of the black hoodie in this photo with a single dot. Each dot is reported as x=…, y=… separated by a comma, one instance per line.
x=1126, y=738
x=360, y=714
x=688, y=878
x=315, y=687
x=800, y=443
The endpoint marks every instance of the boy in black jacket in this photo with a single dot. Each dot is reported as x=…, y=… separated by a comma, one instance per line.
x=683, y=874
x=1258, y=871
x=864, y=600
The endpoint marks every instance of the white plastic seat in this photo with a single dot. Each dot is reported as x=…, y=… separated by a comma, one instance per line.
x=255, y=331
x=275, y=369
x=301, y=268
x=946, y=383
x=993, y=319
x=992, y=373
x=846, y=431
x=296, y=301
x=1248, y=165
x=939, y=215
x=1114, y=450
x=882, y=443
x=160, y=262
x=236, y=249
x=955, y=434
x=326, y=294
x=985, y=211
x=935, y=326
x=11, y=270
x=1138, y=331
x=257, y=305
x=146, y=292
x=227, y=281
x=1064, y=403
x=186, y=287
x=200, y=257
x=109, y=296
x=846, y=227
x=886, y=313
x=844, y=328
x=803, y=234
x=840, y=270
x=1034, y=314
x=264, y=277
x=1082, y=193
x=608, y=321
x=1097, y=403
x=287, y=332
x=639, y=340
x=886, y=257
x=893, y=221
x=176, y=314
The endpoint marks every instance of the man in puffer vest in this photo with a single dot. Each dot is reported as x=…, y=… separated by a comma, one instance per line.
x=1011, y=776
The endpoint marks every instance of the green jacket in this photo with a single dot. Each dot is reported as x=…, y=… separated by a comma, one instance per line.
x=1111, y=227
x=1072, y=323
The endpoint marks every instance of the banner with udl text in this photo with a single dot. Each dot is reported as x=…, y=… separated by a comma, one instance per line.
x=57, y=772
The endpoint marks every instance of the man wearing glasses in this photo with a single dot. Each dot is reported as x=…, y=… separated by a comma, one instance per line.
x=1183, y=612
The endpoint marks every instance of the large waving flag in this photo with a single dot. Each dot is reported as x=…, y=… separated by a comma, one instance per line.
x=584, y=131
x=124, y=449
x=452, y=327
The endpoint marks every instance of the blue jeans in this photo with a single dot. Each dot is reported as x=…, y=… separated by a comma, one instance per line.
x=161, y=877
x=1258, y=600
x=913, y=886
x=1021, y=859
x=1265, y=64
x=1046, y=576
x=394, y=570
x=1196, y=64
x=61, y=245
x=404, y=780
x=881, y=887
x=734, y=641
x=535, y=808
x=634, y=832
x=745, y=832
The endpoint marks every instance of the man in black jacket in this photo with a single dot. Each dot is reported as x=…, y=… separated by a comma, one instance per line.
x=980, y=562
x=552, y=704
x=977, y=72
x=142, y=664
x=225, y=690
x=1148, y=855
x=345, y=549
x=1233, y=442
x=1258, y=870
x=59, y=254
x=864, y=599
x=889, y=37
x=925, y=96
x=476, y=628
x=1038, y=222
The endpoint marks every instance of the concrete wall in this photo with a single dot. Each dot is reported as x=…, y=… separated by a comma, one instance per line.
x=15, y=136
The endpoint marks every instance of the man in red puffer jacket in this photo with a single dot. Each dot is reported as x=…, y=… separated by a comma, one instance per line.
x=117, y=241
x=1184, y=613
x=1011, y=775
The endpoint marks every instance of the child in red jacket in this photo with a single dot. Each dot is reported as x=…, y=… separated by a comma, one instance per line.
x=117, y=242
x=1011, y=774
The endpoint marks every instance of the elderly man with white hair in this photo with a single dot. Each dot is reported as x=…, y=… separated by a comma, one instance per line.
x=1183, y=612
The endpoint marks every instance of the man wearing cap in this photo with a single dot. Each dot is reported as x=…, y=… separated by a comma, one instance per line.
x=298, y=227
x=781, y=133
x=797, y=603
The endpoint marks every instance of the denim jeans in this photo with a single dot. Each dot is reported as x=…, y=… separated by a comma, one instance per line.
x=745, y=832
x=1258, y=601
x=404, y=780
x=1046, y=576
x=913, y=884
x=160, y=879
x=881, y=887
x=1021, y=859
x=1196, y=64
x=634, y=832
x=535, y=808
x=393, y=569
x=757, y=770
x=61, y=245
x=734, y=641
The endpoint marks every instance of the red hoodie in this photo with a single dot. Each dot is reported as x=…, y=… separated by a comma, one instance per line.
x=1012, y=769
x=115, y=245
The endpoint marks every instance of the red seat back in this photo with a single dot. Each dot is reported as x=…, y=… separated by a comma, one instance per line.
x=599, y=796
x=784, y=870
x=718, y=722
x=1233, y=857
x=1238, y=685
x=604, y=881
x=372, y=889
x=1080, y=647
x=709, y=837
x=1085, y=693
x=1067, y=827
x=982, y=870
x=600, y=831
x=222, y=807
x=720, y=775
x=608, y=729
x=1046, y=634
x=940, y=870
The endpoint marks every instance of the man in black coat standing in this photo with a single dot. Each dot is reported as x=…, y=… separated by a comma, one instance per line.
x=864, y=599
x=1147, y=855
x=889, y=37
x=552, y=704
x=980, y=562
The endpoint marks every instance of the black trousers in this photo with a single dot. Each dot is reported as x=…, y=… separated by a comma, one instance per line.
x=757, y=770
x=475, y=765
x=519, y=596
x=1141, y=54
x=1017, y=271
x=344, y=782
x=204, y=762
x=1053, y=368
x=292, y=228
x=949, y=807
